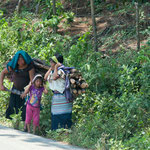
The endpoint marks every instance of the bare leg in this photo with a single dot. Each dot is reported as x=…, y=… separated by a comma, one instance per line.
x=25, y=127
x=28, y=127
x=34, y=129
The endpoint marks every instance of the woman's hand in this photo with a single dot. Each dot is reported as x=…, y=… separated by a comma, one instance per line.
x=57, y=65
x=23, y=95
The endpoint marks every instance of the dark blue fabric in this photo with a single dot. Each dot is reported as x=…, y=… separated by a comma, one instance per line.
x=16, y=103
x=61, y=121
x=13, y=62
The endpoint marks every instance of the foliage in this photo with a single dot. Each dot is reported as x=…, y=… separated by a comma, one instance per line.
x=45, y=119
x=114, y=112
x=16, y=119
x=59, y=134
x=122, y=113
x=140, y=140
x=4, y=99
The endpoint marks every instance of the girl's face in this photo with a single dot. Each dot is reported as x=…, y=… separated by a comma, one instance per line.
x=52, y=64
x=21, y=61
x=38, y=83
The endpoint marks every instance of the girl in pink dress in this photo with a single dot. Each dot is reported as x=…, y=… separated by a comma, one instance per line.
x=35, y=89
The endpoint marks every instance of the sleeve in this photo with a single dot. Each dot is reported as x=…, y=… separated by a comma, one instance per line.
x=30, y=66
x=61, y=73
x=31, y=88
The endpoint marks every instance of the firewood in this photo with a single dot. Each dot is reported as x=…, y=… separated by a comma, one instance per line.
x=74, y=91
x=78, y=83
x=73, y=85
x=74, y=70
x=72, y=75
x=79, y=91
x=73, y=81
x=81, y=80
x=41, y=65
x=75, y=75
x=83, y=85
x=87, y=85
x=80, y=77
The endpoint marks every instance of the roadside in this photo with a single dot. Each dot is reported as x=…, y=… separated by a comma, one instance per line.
x=17, y=140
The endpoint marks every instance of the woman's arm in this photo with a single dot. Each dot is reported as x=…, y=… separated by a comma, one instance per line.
x=55, y=75
x=2, y=76
x=47, y=73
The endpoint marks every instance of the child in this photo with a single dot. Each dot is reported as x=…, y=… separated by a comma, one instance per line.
x=35, y=88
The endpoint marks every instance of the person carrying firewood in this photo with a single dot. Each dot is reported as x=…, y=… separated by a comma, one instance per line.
x=61, y=108
x=22, y=72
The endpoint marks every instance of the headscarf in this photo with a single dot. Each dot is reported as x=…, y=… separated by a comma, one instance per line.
x=37, y=76
x=54, y=59
x=14, y=61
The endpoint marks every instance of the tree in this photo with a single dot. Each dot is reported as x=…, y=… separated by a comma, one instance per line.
x=54, y=13
x=94, y=26
x=137, y=26
x=19, y=6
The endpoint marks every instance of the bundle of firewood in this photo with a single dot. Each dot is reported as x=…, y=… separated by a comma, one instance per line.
x=78, y=83
x=40, y=66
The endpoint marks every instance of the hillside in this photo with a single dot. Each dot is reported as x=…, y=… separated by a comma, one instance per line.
x=111, y=23
x=113, y=113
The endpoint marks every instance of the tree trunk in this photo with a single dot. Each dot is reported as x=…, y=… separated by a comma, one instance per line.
x=28, y=2
x=54, y=13
x=19, y=6
x=94, y=26
x=37, y=7
x=137, y=26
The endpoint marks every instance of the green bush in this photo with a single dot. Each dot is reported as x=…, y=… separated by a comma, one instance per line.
x=114, y=110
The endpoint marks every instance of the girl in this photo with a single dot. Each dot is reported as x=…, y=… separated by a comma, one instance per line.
x=35, y=88
x=22, y=71
x=61, y=109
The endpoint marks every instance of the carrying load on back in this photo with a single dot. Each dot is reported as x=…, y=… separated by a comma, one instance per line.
x=75, y=83
x=40, y=67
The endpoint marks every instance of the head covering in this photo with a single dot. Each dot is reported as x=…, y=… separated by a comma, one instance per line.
x=14, y=61
x=54, y=59
x=37, y=76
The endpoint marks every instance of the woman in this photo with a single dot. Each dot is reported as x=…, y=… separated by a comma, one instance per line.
x=22, y=72
x=61, y=108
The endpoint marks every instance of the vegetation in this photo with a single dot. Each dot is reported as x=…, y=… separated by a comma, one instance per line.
x=114, y=113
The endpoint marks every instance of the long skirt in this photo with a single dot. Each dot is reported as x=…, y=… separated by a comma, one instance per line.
x=16, y=103
x=61, y=112
x=61, y=121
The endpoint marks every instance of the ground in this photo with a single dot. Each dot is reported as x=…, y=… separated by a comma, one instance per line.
x=83, y=22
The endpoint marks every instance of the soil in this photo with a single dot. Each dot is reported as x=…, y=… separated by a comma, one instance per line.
x=82, y=21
